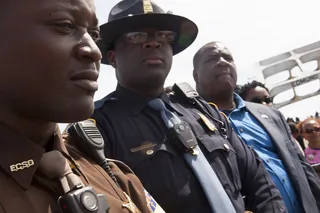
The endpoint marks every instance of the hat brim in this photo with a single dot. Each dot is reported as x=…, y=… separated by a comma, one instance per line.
x=186, y=30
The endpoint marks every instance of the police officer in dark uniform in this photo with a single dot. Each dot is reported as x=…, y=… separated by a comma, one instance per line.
x=144, y=39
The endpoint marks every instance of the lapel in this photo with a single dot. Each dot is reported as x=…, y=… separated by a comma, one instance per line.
x=263, y=115
x=275, y=129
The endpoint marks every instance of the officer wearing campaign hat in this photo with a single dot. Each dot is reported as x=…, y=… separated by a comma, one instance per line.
x=139, y=41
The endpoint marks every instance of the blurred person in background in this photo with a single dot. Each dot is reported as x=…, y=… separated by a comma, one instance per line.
x=296, y=134
x=238, y=89
x=256, y=92
x=310, y=130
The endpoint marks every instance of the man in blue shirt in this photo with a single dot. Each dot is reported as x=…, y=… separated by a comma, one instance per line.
x=261, y=127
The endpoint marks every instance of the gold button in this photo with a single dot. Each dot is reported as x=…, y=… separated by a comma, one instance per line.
x=149, y=152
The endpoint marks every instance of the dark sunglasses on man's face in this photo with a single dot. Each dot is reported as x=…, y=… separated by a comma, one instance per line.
x=266, y=100
x=142, y=37
x=312, y=129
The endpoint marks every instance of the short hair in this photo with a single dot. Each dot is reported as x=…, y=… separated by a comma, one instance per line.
x=197, y=56
x=245, y=88
x=293, y=127
x=289, y=119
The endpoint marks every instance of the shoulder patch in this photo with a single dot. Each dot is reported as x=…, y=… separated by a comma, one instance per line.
x=153, y=206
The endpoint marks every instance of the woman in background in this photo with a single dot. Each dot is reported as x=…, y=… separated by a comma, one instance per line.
x=310, y=130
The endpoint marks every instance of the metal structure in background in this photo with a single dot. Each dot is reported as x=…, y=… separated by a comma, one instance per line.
x=294, y=63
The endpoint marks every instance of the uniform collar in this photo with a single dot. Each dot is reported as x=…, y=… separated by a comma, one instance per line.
x=239, y=102
x=135, y=102
x=20, y=157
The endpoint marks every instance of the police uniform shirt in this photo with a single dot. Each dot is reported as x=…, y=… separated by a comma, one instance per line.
x=24, y=189
x=136, y=134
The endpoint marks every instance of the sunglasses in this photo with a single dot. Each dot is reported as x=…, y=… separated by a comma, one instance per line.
x=142, y=37
x=266, y=100
x=311, y=130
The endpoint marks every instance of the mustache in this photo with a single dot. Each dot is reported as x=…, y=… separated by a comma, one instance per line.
x=152, y=53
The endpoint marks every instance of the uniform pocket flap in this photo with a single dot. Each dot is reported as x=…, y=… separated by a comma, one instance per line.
x=146, y=154
x=215, y=142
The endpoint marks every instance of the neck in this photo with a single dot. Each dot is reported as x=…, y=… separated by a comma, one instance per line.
x=223, y=102
x=150, y=93
x=37, y=131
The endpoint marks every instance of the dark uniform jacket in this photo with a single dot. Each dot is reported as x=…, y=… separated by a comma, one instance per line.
x=304, y=179
x=24, y=189
x=137, y=135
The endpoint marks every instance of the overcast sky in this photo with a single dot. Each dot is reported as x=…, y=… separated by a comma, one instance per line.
x=252, y=29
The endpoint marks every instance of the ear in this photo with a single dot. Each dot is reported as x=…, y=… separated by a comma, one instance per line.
x=111, y=56
x=195, y=76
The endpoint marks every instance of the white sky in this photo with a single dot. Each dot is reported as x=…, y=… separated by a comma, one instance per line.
x=252, y=29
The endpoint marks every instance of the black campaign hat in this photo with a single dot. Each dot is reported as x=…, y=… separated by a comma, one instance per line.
x=131, y=15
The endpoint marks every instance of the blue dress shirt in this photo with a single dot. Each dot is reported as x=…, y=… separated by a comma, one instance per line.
x=255, y=136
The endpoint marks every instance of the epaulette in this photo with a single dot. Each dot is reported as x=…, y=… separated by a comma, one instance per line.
x=111, y=97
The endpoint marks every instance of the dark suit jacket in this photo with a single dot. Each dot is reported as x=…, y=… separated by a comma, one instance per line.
x=304, y=179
